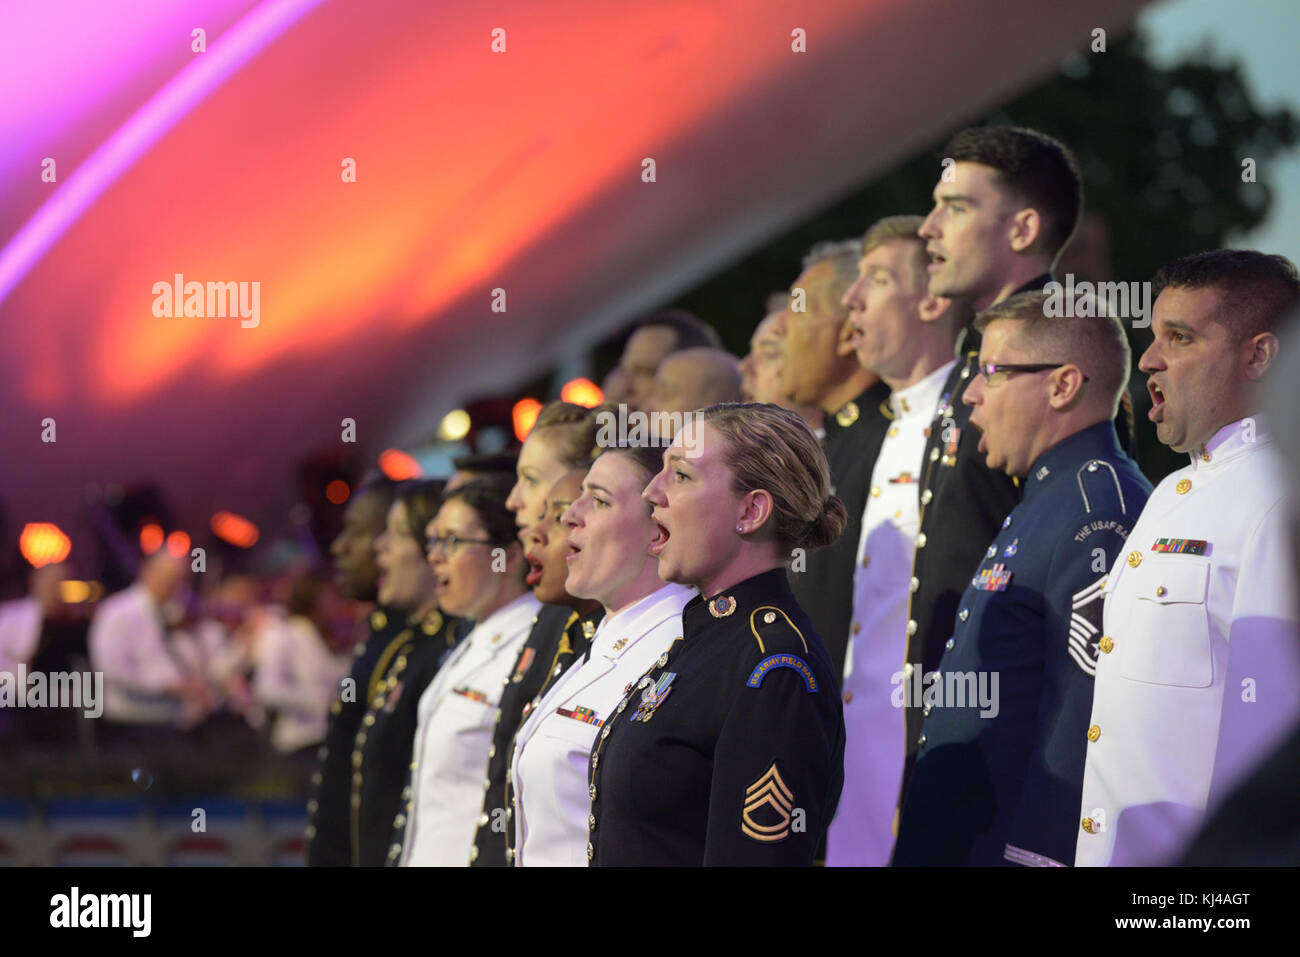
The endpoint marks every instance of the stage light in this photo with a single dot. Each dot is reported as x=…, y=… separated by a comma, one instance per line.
x=235, y=529
x=74, y=592
x=524, y=416
x=454, y=426
x=337, y=491
x=398, y=465
x=43, y=543
x=582, y=392
x=151, y=538
x=178, y=544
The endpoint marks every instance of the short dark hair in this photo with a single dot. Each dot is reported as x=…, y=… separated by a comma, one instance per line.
x=1257, y=288
x=487, y=497
x=422, y=498
x=691, y=330
x=486, y=462
x=1041, y=170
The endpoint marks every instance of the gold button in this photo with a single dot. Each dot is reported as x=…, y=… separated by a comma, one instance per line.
x=893, y=431
x=1089, y=826
x=590, y=851
x=920, y=540
x=915, y=583
x=1134, y=559
x=473, y=854
x=926, y=496
x=769, y=618
x=1161, y=591
x=848, y=697
x=911, y=628
x=857, y=627
x=1094, y=733
x=368, y=720
x=1107, y=643
x=875, y=491
x=1183, y=487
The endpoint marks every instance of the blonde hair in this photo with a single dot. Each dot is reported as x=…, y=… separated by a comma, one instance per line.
x=572, y=431
x=770, y=448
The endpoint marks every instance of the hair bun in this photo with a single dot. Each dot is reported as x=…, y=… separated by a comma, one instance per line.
x=826, y=528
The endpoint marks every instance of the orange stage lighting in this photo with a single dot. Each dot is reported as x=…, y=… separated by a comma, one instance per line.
x=525, y=416
x=151, y=538
x=398, y=466
x=582, y=392
x=234, y=529
x=178, y=543
x=43, y=543
x=337, y=492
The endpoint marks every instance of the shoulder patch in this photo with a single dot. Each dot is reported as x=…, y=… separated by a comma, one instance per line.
x=769, y=805
x=768, y=621
x=793, y=662
x=1099, y=485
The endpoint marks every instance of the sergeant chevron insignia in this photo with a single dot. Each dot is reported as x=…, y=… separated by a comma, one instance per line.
x=768, y=807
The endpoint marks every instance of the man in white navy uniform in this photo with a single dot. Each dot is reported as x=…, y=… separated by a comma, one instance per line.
x=1195, y=680
x=908, y=338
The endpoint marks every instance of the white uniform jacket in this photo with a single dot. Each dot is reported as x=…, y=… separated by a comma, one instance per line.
x=552, y=749
x=457, y=713
x=1200, y=652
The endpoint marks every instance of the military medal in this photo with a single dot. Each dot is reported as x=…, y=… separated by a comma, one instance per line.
x=525, y=660
x=722, y=606
x=585, y=715
x=996, y=578
x=588, y=629
x=1012, y=548
x=653, y=696
x=1180, y=546
x=847, y=415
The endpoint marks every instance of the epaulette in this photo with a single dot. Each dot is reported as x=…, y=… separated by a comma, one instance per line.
x=1099, y=483
x=780, y=641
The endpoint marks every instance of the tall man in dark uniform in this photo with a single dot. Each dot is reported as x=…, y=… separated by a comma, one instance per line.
x=328, y=811
x=1001, y=752
x=820, y=368
x=1003, y=212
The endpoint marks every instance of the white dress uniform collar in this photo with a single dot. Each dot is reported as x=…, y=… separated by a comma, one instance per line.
x=1237, y=438
x=617, y=632
x=921, y=395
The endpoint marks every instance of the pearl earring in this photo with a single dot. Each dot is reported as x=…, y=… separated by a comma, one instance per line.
x=740, y=530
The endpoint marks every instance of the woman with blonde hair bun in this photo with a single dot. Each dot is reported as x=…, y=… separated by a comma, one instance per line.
x=730, y=749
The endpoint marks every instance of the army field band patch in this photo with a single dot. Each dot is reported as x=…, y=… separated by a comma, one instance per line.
x=768, y=806
x=772, y=662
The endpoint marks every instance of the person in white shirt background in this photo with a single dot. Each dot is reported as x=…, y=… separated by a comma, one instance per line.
x=609, y=534
x=21, y=619
x=478, y=569
x=296, y=675
x=1196, y=680
x=147, y=679
x=907, y=337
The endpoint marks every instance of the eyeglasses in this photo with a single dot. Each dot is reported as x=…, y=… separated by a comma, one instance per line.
x=996, y=373
x=450, y=544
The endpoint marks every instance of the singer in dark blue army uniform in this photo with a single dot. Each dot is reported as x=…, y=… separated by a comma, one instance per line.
x=357, y=576
x=730, y=750
x=1001, y=751
x=381, y=748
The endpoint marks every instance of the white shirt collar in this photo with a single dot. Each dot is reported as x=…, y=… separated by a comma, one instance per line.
x=921, y=397
x=639, y=618
x=511, y=618
x=1236, y=438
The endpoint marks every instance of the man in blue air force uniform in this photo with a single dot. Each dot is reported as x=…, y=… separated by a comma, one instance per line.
x=1001, y=753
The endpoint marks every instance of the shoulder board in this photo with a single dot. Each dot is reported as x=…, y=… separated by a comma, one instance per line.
x=773, y=629
x=1099, y=486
